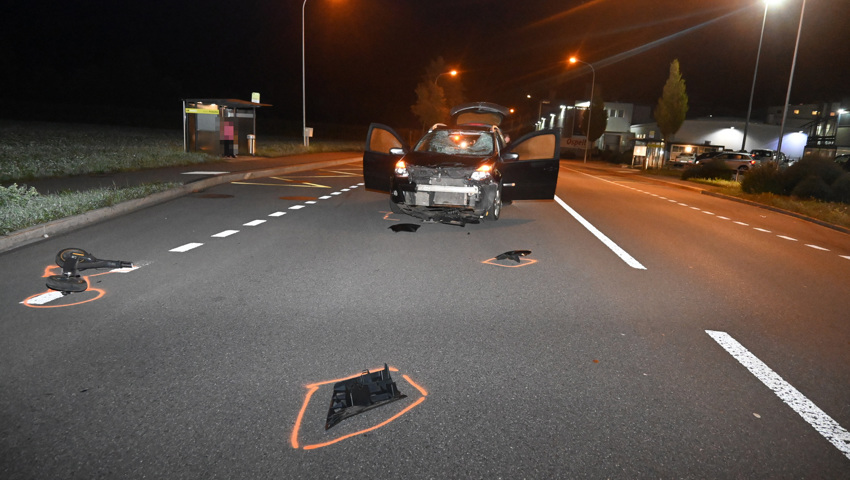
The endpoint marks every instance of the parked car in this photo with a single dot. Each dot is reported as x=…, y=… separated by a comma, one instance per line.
x=738, y=161
x=763, y=155
x=683, y=159
x=461, y=173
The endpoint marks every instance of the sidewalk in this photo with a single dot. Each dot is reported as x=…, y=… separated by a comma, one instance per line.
x=193, y=178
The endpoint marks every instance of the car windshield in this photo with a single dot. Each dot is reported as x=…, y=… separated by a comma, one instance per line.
x=457, y=142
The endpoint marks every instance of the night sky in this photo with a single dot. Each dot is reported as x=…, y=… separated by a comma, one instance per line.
x=365, y=57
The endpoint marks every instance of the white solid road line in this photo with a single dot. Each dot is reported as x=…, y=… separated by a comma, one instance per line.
x=601, y=236
x=817, y=418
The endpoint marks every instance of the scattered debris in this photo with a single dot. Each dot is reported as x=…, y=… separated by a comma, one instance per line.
x=72, y=260
x=514, y=255
x=404, y=227
x=362, y=393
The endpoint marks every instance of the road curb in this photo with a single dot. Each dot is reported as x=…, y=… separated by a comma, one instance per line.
x=34, y=234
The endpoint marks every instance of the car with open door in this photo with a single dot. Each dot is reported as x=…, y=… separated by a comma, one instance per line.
x=461, y=173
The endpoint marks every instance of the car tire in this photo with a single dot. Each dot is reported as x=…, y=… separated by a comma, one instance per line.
x=495, y=210
x=743, y=169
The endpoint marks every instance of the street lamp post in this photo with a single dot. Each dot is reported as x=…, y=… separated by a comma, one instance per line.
x=790, y=80
x=303, y=82
x=589, y=104
x=755, y=73
x=452, y=73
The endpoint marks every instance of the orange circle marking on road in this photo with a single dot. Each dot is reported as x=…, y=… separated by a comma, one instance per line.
x=313, y=387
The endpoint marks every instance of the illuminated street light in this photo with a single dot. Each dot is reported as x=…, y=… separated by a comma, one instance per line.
x=589, y=104
x=791, y=79
x=755, y=73
x=452, y=73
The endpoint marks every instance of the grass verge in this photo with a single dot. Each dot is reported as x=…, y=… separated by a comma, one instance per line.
x=22, y=207
x=835, y=213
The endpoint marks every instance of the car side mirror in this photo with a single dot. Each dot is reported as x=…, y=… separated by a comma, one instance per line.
x=397, y=151
x=510, y=157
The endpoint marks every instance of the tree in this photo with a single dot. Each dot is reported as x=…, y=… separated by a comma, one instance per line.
x=436, y=94
x=598, y=118
x=673, y=104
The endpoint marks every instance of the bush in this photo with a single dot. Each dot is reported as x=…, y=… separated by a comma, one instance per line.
x=841, y=189
x=825, y=170
x=712, y=169
x=812, y=187
x=764, y=178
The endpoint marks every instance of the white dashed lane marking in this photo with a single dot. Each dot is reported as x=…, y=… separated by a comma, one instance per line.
x=255, y=223
x=784, y=237
x=186, y=248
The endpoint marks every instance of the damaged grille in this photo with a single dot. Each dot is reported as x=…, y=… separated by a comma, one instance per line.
x=441, y=186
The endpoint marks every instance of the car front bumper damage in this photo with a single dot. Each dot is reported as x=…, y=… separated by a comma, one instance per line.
x=452, y=199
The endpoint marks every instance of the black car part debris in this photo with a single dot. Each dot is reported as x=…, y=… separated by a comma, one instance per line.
x=72, y=260
x=405, y=227
x=513, y=255
x=362, y=393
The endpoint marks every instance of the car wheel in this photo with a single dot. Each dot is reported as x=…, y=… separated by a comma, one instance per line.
x=496, y=209
x=743, y=169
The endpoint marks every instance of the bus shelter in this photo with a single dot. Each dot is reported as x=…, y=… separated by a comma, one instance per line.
x=205, y=121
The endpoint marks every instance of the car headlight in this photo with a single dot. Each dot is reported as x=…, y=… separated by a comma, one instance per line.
x=481, y=173
x=401, y=169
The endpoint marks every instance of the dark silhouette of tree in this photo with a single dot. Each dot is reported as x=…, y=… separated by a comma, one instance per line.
x=436, y=94
x=673, y=104
x=598, y=117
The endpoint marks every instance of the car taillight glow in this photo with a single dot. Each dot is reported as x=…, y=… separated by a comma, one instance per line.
x=401, y=169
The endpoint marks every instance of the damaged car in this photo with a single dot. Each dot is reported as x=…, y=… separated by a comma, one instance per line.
x=461, y=173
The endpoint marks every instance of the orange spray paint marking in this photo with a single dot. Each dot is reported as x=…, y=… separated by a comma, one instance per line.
x=313, y=387
x=51, y=270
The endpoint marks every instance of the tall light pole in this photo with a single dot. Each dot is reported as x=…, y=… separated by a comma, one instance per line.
x=755, y=73
x=303, y=81
x=790, y=80
x=589, y=104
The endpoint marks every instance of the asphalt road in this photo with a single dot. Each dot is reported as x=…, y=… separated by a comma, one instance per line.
x=689, y=337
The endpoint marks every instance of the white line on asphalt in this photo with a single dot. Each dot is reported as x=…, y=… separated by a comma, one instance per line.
x=203, y=173
x=254, y=223
x=845, y=256
x=225, y=233
x=707, y=213
x=817, y=247
x=787, y=238
x=277, y=214
x=742, y=223
x=336, y=193
x=817, y=418
x=324, y=197
x=296, y=207
x=762, y=230
x=601, y=236
x=186, y=248
x=44, y=298
x=723, y=218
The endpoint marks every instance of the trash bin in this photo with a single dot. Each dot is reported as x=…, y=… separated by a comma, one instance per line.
x=252, y=145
